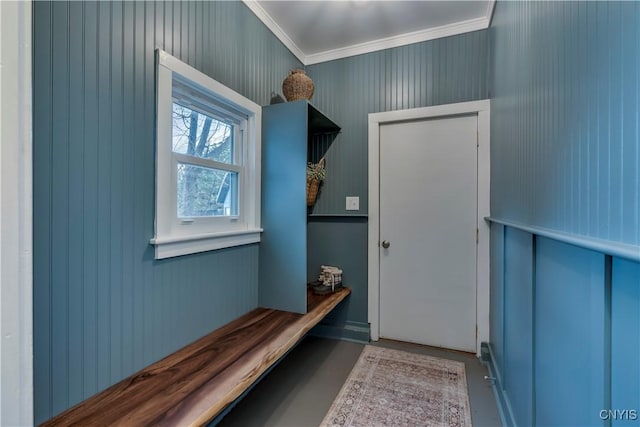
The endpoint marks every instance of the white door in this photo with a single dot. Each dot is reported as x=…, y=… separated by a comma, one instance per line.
x=428, y=220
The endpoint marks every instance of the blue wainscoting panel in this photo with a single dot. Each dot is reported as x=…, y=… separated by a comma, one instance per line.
x=283, y=269
x=570, y=335
x=625, y=339
x=518, y=326
x=497, y=297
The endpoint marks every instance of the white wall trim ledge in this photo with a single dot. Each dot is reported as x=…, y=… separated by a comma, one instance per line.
x=607, y=247
x=169, y=247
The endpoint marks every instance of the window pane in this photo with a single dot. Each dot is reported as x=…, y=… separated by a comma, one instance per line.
x=199, y=135
x=205, y=192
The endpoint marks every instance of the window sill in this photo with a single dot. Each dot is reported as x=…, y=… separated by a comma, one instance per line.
x=167, y=247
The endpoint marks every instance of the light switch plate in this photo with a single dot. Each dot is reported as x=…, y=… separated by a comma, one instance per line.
x=353, y=203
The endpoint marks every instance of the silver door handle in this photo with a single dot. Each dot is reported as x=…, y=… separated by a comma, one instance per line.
x=385, y=244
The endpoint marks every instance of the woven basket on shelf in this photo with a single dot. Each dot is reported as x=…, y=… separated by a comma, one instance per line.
x=297, y=85
x=313, y=185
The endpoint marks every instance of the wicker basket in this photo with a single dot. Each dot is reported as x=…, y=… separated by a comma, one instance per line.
x=312, y=191
x=297, y=85
x=313, y=185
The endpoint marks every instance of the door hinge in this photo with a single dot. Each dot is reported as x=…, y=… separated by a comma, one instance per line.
x=477, y=236
x=477, y=138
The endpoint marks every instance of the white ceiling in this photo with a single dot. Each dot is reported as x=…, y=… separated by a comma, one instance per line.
x=318, y=31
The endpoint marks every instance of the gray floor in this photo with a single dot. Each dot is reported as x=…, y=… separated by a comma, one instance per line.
x=300, y=390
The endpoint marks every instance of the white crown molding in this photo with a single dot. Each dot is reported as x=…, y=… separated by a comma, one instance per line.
x=272, y=25
x=399, y=40
x=491, y=6
x=374, y=45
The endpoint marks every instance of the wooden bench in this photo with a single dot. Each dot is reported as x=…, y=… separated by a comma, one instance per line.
x=196, y=383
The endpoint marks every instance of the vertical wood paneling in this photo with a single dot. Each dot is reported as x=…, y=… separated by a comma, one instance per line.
x=103, y=174
x=518, y=356
x=128, y=76
x=59, y=321
x=497, y=297
x=103, y=307
x=570, y=334
x=453, y=69
x=89, y=181
x=565, y=156
x=75, y=184
x=114, y=187
x=565, y=114
x=42, y=137
x=580, y=309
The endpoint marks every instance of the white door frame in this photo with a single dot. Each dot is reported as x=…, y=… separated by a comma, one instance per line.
x=16, y=270
x=482, y=109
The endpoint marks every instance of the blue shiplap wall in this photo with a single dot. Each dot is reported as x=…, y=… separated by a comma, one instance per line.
x=565, y=155
x=103, y=308
x=565, y=116
x=443, y=71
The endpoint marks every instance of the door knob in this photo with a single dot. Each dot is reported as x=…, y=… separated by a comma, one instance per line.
x=385, y=244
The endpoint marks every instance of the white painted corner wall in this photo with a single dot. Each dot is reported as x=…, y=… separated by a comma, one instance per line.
x=16, y=289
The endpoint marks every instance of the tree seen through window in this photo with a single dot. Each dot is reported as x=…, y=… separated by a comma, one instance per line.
x=204, y=191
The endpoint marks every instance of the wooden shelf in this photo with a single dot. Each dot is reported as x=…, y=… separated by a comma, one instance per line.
x=195, y=384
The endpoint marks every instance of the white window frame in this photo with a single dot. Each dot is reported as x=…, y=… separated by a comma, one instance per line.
x=175, y=236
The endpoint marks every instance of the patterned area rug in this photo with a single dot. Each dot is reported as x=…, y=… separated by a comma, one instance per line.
x=395, y=388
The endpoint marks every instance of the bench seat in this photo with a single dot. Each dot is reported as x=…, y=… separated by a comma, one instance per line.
x=196, y=383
